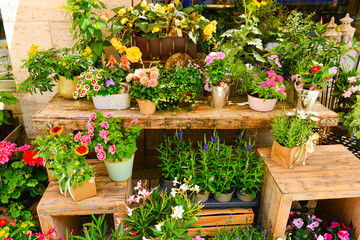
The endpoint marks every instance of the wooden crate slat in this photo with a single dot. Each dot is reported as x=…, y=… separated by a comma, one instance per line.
x=215, y=211
x=235, y=219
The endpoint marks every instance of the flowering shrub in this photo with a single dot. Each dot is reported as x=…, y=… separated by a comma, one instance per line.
x=219, y=75
x=315, y=76
x=145, y=82
x=21, y=172
x=16, y=230
x=108, y=139
x=156, y=214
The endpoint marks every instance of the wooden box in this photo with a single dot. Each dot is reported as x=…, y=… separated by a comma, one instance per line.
x=212, y=219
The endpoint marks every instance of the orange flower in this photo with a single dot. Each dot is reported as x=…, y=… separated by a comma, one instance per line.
x=125, y=64
x=82, y=150
x=111, y=62
x=56, y=130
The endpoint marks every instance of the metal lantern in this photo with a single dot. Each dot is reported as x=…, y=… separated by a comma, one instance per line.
x=347, y=31
x=331, y=34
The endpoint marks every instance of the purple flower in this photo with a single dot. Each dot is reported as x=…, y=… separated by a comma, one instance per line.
x=110, y=83
x=214, y=138
x=205, y=146
x=179, y=134
x=249, y=147
x=217, y=148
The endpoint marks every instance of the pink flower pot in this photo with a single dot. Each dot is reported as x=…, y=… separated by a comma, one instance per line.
x=258, y=104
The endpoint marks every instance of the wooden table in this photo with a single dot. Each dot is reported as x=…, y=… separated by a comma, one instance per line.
x=54, y=210
x=332, y=172
x=74, y=114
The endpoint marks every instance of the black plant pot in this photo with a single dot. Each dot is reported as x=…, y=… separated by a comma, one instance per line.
x=26, y=199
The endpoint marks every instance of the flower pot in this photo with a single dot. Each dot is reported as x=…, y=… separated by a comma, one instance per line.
x=146, y=107
x=219, y=96
x=169, y=184
x=258, y=104
x=67, y=87
x=120, y=171
x=244, y=196
x=88, y=189
x=306, y=99
x=163, y=48
x=51, y=176
x=115, y=101
x=286, y=157
x=222, y=197
x=201, y=197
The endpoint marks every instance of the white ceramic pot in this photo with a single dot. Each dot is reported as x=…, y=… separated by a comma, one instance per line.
x=120, y=171
x=258, y=104
x=115, y=101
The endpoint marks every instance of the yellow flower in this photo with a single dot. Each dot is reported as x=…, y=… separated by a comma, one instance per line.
x=5, y=46
x=117, y=45
x=4, y=232
x=33, y=49
x=155, y=29
x=210, y=28
x=87, y=50
x=258, y=3
x=123, y=21
x=159, y=8
x=121, y=11
x=64, y=64
x=133, y=54
x=130, y=9
x=143, y=4
x=59, y=62
x=176, y=1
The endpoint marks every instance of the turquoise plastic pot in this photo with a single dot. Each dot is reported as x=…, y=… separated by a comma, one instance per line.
x=120, y=171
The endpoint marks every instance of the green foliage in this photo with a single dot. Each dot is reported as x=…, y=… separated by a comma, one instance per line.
x=8, y=99
x=248, y=232
x=296, y=26
x=294, y=128
x=352, y=118
x=18, y=230
x=18, y=211
x=216, y=69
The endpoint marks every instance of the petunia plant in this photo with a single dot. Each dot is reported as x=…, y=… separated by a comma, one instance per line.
x=108, y=139
x=218, y=73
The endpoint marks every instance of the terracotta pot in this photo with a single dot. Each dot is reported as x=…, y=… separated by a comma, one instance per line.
x=258, y=104
x=306, y=99
x=201, y=197
x=67, y=87
x=119, y=170
x=87, y=190
x=146, y=107
x=244, y=196
x=51, y=176
x=223, y=197
x=164, y=47
x=286, y=156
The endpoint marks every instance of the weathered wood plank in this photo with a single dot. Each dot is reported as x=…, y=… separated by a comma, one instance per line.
x=73, y=115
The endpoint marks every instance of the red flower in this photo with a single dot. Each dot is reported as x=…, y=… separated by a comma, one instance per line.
x=82, y=150
x=328, y=236
x=343, y=235
x=51, y=231
x=30, y=160
x=334, y=225
x=315, y=69
x=56, y=130
x=133, y=234
x=345, y=227
x=3, y=222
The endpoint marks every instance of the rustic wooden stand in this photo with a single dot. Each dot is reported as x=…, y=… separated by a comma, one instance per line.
x=55, y=210
x=332, y=172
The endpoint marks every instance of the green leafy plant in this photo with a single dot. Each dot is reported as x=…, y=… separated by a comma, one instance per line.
x=22, y=174
x=160, y=20
x=315, y=76
x=8, y=99
x=219, y=74
x=294, y=128
x=247, y=232
x=156, y=214
x=352, y=118
x=18, y=211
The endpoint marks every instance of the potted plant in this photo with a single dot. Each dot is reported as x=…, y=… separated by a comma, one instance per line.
x=64, y=157
x=218, y=81
x=66, y=65
x=144, y=89
x=6, y=117
x=162, y=29
x=294, y=137
x=248, y=179
x=351, y=120
x=113, y=144
x=22, y=174
x=107, y=86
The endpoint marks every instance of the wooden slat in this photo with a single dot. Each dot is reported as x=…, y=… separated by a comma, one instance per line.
x=215, y=211
x=73, y=115
x=221, y=220
x=206, y=231
x=14, y=135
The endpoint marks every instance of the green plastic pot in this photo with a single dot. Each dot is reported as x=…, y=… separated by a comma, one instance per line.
x=120, y=171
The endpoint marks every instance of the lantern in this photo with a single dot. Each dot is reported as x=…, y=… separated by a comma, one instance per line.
x=331, y=34
x=347, y=31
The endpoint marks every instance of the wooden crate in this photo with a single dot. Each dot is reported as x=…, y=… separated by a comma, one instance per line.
x=212, y=219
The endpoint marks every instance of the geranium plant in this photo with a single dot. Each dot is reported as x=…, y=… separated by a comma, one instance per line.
x=160, y=20
x=22, y=173
x=145, y=84
x=157, y=214
x=109, y=140
x=219, y=75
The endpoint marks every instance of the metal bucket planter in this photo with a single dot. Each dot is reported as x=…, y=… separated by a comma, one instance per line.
x=120, y=171
x=306, y=99
x=67, y=87
x=219, y=96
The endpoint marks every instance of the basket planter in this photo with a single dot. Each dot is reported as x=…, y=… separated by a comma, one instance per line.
x=222, y=197
x=88, y=189
x=163, y=48
x=67, y=87
x=146, y=107
x=258, y=104
x=115, y=101
x=201, y=197
x=244, y=196
x=286, y=157
x=120, y=171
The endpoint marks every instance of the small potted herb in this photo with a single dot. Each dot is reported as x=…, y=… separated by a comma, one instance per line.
x=219, y=79
x=294, y=137
x=113, y=144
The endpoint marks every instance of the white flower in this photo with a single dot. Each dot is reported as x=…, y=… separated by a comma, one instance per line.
x=320, y=237
x=290, y=113
x=314, y=113
x=2, y=105
x=352, y=79
x=144, y=238
x=184, y=187
x=196, y=188
x=178, y=212
x=158, y=226
x=173, y=192
x=211, y=179
x=175, y=179
x=138, y=186
x=315, y=119
x=279, y=239
x=129, y=210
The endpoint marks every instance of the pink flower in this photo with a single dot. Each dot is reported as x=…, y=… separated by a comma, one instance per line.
x=24, y=148
x=347, y=94
x=343, y=235
x=278, y=63
x=280, y=78
x=271, y=74
x=41, y=236
x=154, y=74
x=101, y=155
x=292, y=213
x=103, y=133
x=144, y=80
x=198, y=238
x=272, y=57
x=352, y=79
x=327, y=236
x=85, y=139
x=253, y=82
x=4, y=159
x=298, y=223
x=92, y=117
x=112, y=149
x=255, y=75
x=152, y=82
x=312, y=226
x=354, y=89
x=104, y=124
x=109, y=115
x=282, y=89
x=334, y=225
x=129, y=77
x=99, y=148
x=51, y=232
x=90, y=124
x=91, y=133
x=77, y=136
x=220, y=55
x=134, y=121
x=209, y=59
x=89, y=77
